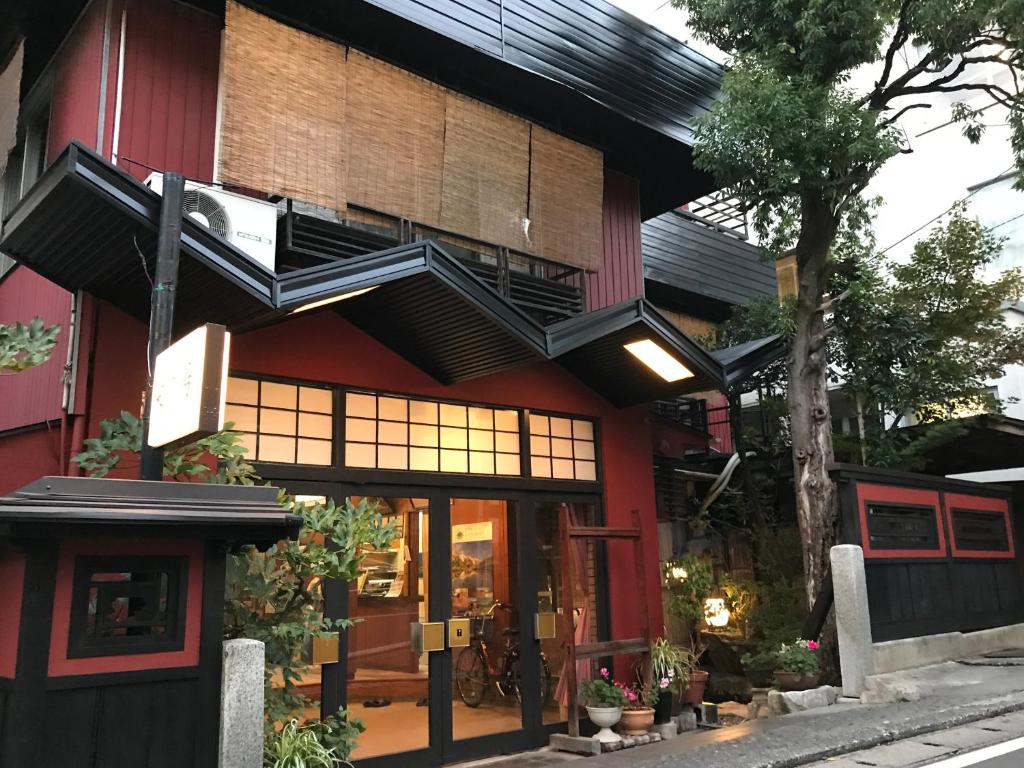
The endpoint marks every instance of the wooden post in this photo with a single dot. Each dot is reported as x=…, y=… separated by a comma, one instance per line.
x=645, y=612
x=568, y=610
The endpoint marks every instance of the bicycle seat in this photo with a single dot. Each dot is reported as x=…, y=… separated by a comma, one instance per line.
x=510, y=632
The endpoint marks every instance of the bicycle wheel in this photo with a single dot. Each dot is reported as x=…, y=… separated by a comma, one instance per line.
x=471, y=676
x=545, y=680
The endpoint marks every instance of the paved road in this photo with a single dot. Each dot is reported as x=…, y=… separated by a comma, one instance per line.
x=1008, y=754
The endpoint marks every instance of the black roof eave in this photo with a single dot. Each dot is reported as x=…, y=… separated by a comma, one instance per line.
x=494, y=333
x=743, y=360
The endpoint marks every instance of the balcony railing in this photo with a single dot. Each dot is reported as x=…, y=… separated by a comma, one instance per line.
x=698, y=415
x=547, y=291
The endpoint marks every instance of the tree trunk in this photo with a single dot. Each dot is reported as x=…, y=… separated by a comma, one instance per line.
x=810, y=417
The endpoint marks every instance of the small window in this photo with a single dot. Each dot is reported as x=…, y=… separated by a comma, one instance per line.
x=899, y=527
x=980, y=531
x=127, y=605
x=562, y=448
x=282, y=423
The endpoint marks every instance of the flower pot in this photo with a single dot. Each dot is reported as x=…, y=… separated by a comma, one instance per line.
x=604, y=718
x=694, y=693
x=663, y=709
x=636, y=722
x=790, y=681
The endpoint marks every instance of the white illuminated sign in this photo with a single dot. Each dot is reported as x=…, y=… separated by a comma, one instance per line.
x=190, y=381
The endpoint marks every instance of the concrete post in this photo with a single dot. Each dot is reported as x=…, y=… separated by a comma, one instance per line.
x=241, y=709
x=853, y=619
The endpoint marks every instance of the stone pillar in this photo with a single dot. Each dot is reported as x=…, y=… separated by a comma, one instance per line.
x=853, y=619
x=241, y=708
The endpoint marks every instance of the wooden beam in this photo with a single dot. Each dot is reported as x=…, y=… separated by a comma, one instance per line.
x=594, y=532
x=613, y=648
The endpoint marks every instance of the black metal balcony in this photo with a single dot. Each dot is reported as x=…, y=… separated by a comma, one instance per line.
x=547, y=291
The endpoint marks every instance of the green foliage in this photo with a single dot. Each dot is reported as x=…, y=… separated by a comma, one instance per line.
x=277, y=596
x=602, y=692
x=799, y=657
x=670, y=665
x=297, y=747
x=219, y=458
x=689, y=581
x=26, y=346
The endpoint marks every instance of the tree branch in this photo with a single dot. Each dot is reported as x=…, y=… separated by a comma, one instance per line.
x=903, y=111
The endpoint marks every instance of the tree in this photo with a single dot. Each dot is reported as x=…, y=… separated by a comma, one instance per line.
x=798, y=145
x=26, y=346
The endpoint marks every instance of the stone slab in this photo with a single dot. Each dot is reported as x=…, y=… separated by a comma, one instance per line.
x=687, y=721
x=900, y=754
x=580, y=745
x=666, y=730
x=912, y=652
x=965, y=737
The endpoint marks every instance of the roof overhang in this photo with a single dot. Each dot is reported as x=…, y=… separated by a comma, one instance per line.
x=593, y=347
x=744, y=360
x=89, y=226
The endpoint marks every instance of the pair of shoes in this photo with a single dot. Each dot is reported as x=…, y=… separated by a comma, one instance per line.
x=375, y=703
x=424, y=702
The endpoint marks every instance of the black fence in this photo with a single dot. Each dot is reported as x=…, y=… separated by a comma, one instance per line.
x=940, y=555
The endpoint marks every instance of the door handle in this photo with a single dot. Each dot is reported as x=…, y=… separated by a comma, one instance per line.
x=427, y=637
x=458, y=633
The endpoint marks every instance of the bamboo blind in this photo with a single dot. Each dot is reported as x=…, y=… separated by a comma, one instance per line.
x=566, y=194
x=395, y=140
x=283, y=110
x=10, y=98
x=486, y=172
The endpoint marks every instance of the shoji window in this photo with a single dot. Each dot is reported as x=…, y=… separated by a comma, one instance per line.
x=285, y=423
x=383, y=432
x=562, y=448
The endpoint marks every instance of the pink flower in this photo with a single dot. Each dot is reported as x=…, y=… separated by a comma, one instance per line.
x=811, y=645
x=632, y=696
x=604, y=672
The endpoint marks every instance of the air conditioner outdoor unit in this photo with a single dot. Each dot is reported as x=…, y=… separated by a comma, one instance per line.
x=249, y=225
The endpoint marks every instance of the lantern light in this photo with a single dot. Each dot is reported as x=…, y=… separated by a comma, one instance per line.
x=716, y=614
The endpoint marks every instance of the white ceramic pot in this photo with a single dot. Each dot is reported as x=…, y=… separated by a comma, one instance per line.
x=604, y=718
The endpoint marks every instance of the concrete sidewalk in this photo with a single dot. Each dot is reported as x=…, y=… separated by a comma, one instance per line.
x=951, y=695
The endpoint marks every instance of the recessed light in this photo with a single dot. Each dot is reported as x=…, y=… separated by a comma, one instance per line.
x=658, y=360
x=325, y=302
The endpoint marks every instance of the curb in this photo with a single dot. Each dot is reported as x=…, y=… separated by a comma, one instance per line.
x=900, y=734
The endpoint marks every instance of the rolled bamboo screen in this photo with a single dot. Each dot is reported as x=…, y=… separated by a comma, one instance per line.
x=395, y=140
x=566, y=194
x=307, y=118
x=283, y=110
x=10, y=98
x=486, y=172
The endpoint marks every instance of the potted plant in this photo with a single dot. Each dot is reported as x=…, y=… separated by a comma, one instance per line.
x=760, y=665
x=638, y=714
x=604, y=701
x=798, y=666
x=689, y=582
x=671, y=668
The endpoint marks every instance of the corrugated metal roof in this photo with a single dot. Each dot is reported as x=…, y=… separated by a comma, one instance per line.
x=682, y=253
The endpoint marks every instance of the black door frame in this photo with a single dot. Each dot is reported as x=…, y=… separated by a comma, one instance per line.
x=443, y=746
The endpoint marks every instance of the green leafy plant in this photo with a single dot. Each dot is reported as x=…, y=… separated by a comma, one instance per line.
x=276, y=596
x=799, y=657
x=671, y=665
x=219, y=458
x=296, y=746
x=24, y=346
x=603, y=692
x=689, y=581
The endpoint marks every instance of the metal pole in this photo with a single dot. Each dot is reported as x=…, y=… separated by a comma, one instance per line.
x=161, y=313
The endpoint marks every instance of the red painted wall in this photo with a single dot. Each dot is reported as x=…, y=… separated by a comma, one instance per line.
x=28, y=455
x=60, y=664
x=12, y=584
x=621, y=275
x=324, y=347
x=33, y=396
x=169, y=97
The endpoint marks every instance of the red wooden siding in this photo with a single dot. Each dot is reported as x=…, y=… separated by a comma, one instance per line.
x=718, y=422
x=169, y=97
x=34, y=396
x=27, y=456
x=621, y=275
x=296, y=349
x=75, y=104
x=12, y=587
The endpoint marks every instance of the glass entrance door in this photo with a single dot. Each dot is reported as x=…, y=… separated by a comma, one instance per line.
x=479, y=570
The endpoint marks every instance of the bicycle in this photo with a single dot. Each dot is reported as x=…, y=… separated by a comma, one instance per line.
x=474, y=669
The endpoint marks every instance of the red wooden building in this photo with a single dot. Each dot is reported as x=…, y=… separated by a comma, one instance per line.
x=424, y=231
